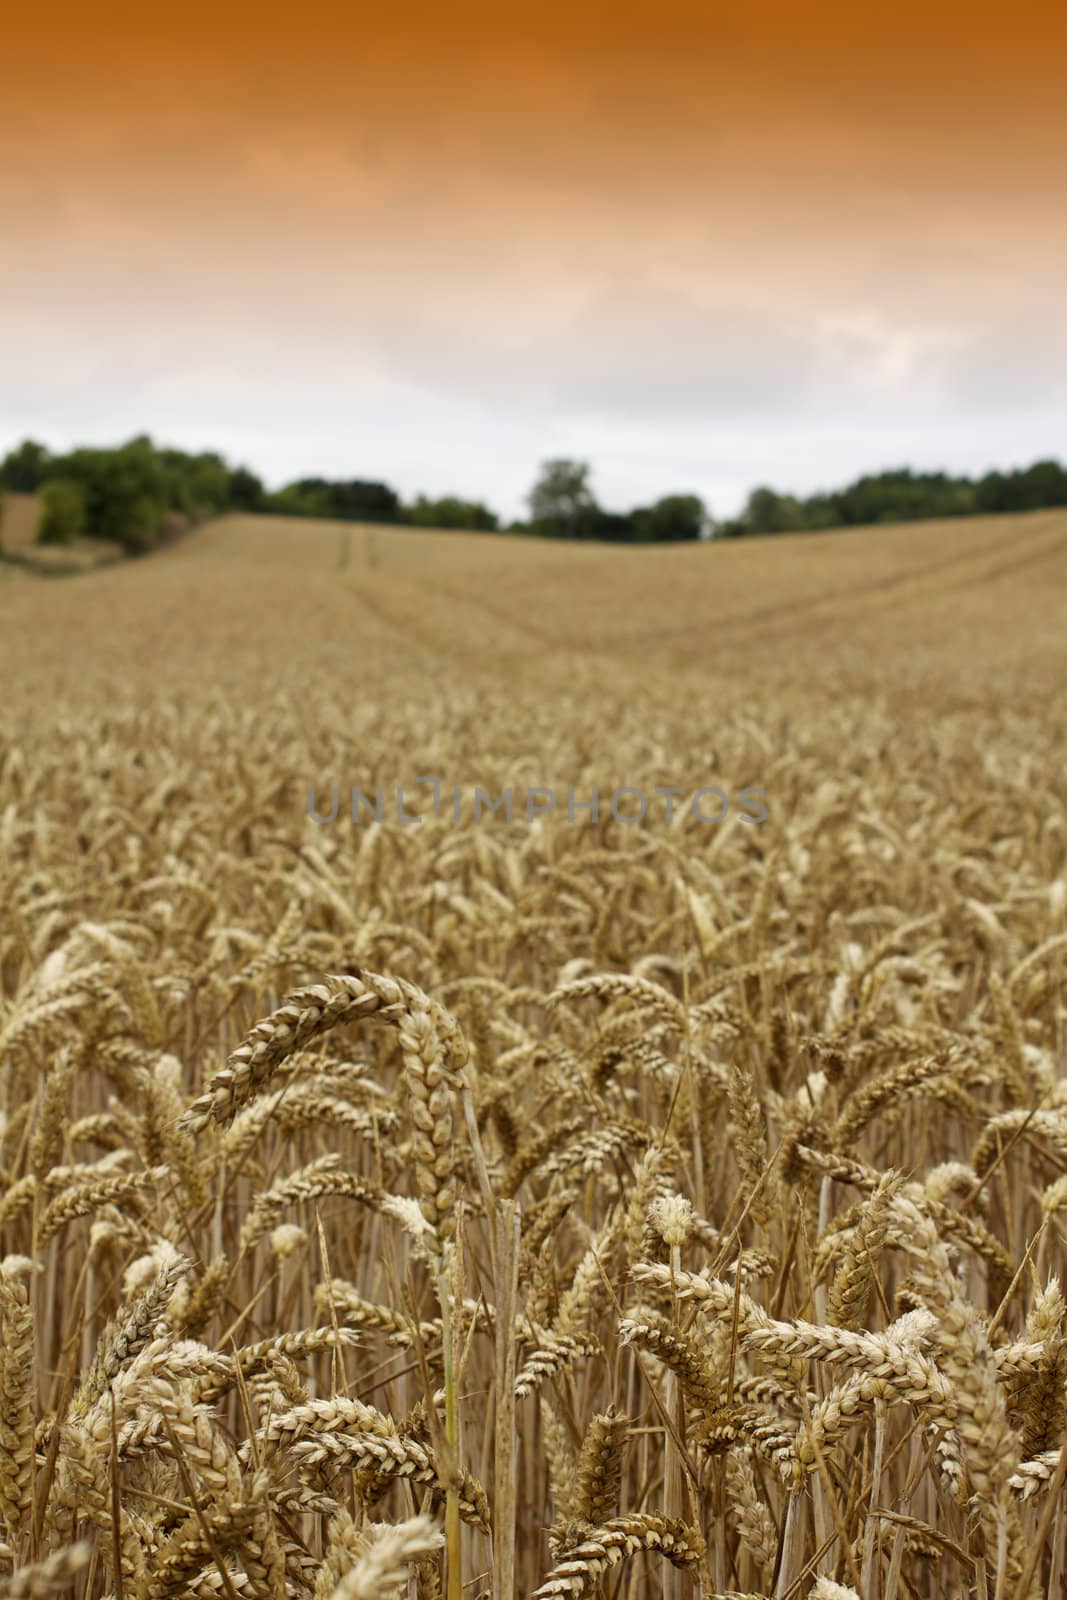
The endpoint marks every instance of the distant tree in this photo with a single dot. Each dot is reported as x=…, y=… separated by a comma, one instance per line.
x=198, y=486
x=559, y=498
x=674, y=517
x=901, y=495
x=354, y=500
x=307, y=497
x=821, y=511
x=1044, y=484
x=363, y=501
x=767, y=511
x=63, y=512
x=957, y=499
x=296, y=500
x=25, y=468
x=615, y=527
x=450, y=512
x=244, y=491
x=995, y=492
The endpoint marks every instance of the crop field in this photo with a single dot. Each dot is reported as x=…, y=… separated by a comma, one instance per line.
x=657, y=1192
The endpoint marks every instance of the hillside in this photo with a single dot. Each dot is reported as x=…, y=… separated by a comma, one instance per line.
x=963, y=599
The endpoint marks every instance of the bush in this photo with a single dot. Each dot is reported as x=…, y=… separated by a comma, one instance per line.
x=63, y=512
x=140, y=524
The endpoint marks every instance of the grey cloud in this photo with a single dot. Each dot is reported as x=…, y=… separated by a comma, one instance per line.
x=647, y=353
x=644, y=351
x=1013, y=366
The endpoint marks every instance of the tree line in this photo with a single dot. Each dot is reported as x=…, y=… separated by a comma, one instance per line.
x=901, y=495
x=140, y=495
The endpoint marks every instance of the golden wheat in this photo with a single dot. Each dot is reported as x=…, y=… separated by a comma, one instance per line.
x=692, y=1224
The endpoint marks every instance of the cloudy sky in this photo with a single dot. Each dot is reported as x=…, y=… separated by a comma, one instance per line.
x=699, y=245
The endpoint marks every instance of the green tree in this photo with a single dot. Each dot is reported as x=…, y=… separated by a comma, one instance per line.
x=451, y=512
x=901, y=495
x=297, y=500
x=63, y=512
x=767, y=511
x=348, y=500
x=1044, y=484
x=244, y=491
x=196, y=485
x=559, y=498
x=127, y=491
x=674, y=517
x=994, y=492
x=25, y=468
x=821, y=511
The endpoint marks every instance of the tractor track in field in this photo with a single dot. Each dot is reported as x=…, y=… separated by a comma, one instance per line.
x=1031, y=558
x=818, y=613
x=815, y=610
x=810, y=612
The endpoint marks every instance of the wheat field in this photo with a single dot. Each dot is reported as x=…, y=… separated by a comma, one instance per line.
x=554, y=1207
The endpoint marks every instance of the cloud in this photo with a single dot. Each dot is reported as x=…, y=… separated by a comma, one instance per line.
x=1016, y=366
x=638, y=349
x=634, y=350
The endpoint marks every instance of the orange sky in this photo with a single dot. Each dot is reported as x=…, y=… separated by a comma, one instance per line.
x=614, y=229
